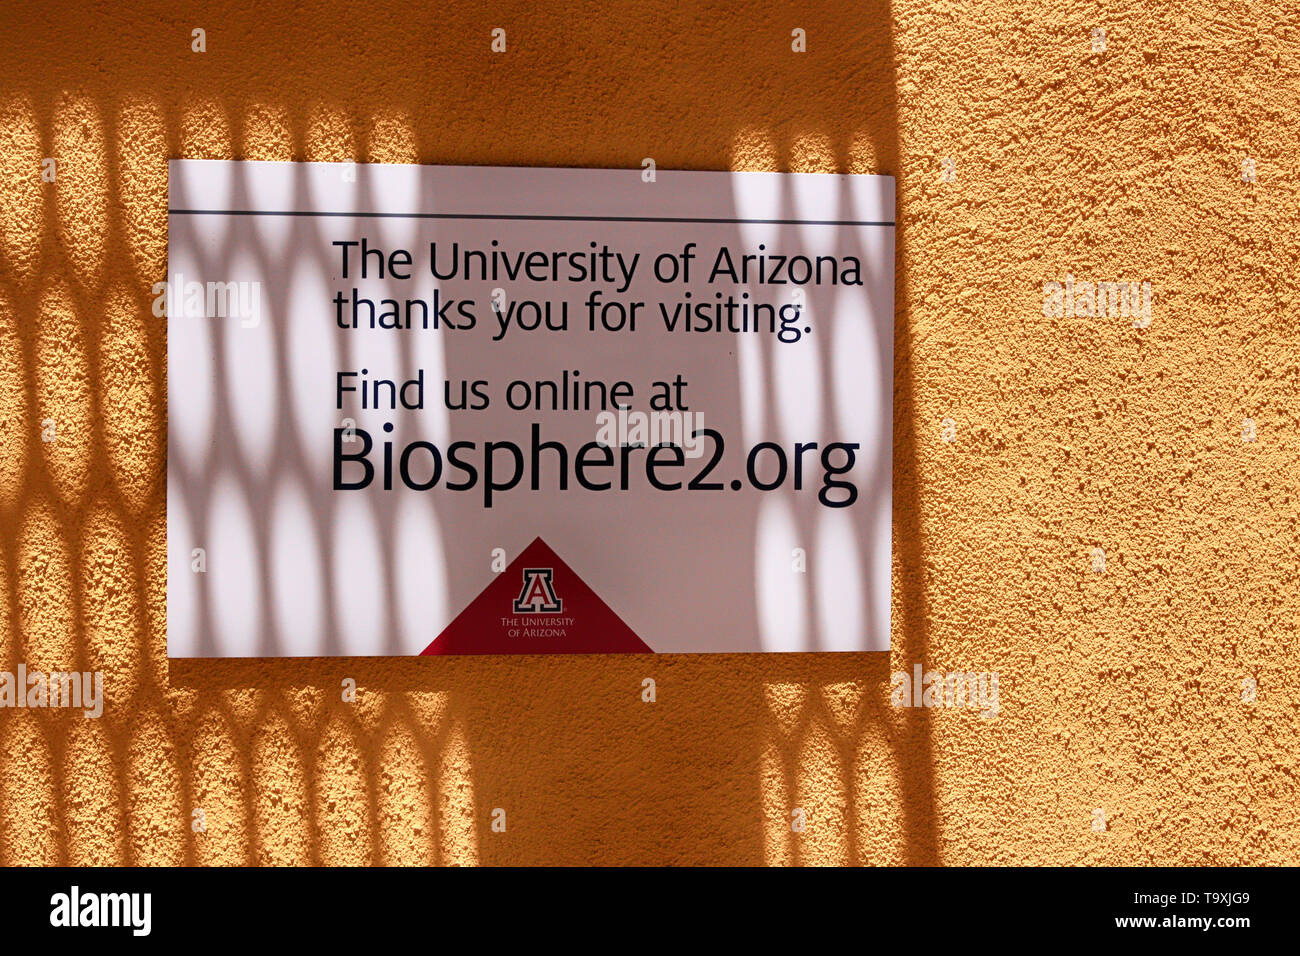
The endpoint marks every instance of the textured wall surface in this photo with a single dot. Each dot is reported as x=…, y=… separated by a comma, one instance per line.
x=1120, y=690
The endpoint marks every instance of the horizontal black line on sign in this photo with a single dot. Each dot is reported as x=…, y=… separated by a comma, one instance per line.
x=455, y=215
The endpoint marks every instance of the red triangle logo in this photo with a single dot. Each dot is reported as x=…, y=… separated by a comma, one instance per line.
x=538, y=605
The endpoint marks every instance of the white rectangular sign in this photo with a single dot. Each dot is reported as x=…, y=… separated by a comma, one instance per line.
x=431, y=409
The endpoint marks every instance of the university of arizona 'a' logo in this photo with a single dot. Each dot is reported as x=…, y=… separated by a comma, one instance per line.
x=538, y=593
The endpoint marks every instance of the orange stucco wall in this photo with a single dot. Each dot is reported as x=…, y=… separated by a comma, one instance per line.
x=1120, y=690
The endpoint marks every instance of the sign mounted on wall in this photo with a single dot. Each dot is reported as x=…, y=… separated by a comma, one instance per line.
x=444, y=410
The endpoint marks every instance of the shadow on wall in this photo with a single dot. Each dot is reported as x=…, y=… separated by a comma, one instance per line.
x=266, y=753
